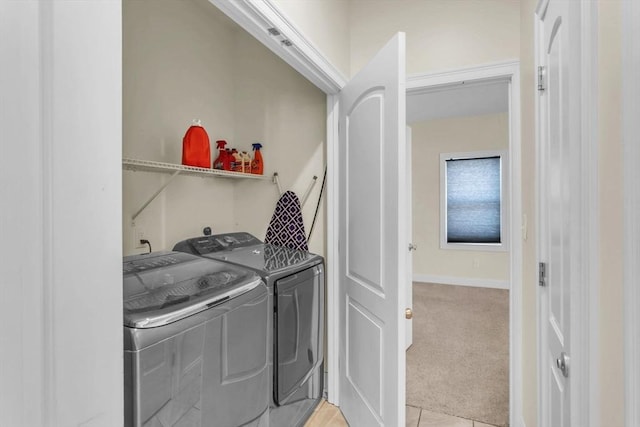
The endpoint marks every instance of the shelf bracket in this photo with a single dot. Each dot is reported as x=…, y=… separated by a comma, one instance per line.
x=308, y=192
x=185, y=170
x=139, y=211
x=276, y=181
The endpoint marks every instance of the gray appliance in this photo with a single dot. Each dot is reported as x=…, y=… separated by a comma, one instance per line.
x=295, y=280
x=195, y=343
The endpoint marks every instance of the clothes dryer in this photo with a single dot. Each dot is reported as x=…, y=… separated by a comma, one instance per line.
x=295, y=280
x=195, y=343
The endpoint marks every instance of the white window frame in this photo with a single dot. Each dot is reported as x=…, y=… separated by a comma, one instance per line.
x=504, y=201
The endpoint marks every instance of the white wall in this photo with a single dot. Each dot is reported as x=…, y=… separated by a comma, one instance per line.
x=529, y=256
x=611, y=218
x=325, y=23
x=441, y=34
x=185, y=60
x=177, y=66
x=278, y=107
x=430, y=139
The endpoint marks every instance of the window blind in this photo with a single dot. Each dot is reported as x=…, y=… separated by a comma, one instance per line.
x=473, y=200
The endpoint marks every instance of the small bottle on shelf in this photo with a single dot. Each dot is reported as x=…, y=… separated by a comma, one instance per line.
x=257, y=164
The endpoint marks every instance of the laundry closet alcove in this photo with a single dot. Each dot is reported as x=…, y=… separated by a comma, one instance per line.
x=186, y=59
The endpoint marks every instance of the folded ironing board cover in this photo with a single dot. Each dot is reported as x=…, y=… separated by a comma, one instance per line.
x=286, y=227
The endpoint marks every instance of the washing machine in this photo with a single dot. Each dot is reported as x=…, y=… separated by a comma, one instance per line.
x=196, y=346
x=295, y=281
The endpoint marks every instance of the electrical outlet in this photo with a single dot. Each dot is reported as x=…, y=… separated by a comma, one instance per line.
x=139, y=234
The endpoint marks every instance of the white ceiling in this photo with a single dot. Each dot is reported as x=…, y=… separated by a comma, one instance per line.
x=460, y=100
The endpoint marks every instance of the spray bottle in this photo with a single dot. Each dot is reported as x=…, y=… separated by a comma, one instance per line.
x=257, y=165
x=222, y=154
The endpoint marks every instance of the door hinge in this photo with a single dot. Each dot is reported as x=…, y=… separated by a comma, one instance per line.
x=541, y=73
x=542, y=274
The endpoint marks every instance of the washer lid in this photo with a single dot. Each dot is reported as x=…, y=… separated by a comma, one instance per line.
x=163, y=287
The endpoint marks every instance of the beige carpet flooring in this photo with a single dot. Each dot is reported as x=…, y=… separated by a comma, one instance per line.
x=459, y=361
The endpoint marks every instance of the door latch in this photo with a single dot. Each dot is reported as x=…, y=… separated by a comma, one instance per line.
x=542, y=274
x=562, y=363
x=541, y=74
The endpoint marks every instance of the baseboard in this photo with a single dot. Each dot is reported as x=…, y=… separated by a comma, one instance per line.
x=461, y=281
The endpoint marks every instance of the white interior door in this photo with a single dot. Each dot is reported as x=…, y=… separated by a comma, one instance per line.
x=373, y=241
x=557, y=196
x=411, y=247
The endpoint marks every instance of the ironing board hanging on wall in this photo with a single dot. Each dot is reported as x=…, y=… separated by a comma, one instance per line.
x=286, y=227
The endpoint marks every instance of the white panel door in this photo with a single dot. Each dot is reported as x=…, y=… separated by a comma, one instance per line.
x=373, y=241
x=556, y=200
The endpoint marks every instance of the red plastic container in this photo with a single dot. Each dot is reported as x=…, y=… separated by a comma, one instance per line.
x=196, y=150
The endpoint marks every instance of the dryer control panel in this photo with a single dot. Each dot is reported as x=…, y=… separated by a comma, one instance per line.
x=218, y=243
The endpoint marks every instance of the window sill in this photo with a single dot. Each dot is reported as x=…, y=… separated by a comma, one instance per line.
x=480, y=247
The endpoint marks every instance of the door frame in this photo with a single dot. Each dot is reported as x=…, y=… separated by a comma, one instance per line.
x=69, y=200
x=630, y=132
x=508, y=71
x=584, y=319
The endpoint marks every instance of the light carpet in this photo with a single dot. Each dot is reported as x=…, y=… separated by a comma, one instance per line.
x=459, y=361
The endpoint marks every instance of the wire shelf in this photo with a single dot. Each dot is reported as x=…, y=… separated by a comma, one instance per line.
x=170, y=168
x=175, y=170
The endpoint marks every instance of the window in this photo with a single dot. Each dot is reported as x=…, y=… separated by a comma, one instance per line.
x=472, y=197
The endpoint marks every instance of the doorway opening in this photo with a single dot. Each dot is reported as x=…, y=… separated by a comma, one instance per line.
x=462, y=363
x=311, y=64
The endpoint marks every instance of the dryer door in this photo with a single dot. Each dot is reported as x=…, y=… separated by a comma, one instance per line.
x=299, y=306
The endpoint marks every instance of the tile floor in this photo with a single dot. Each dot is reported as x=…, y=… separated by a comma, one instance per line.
x=417, y=417
x=327, y=415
